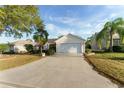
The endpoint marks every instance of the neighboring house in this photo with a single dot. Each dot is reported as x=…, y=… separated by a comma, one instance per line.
x=19, y=46
x=94, y=43
x=116, y=39
x=49, y=43
x=70, y=44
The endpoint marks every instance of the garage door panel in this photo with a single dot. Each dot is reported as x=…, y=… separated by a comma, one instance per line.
x=68, y=48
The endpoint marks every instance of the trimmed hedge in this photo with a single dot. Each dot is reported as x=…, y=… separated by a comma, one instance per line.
x=118, y=48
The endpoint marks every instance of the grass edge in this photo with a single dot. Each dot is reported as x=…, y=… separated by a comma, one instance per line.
x=112, y=79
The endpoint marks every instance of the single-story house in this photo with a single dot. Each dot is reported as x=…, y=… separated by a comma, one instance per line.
x=49, y=43
x=70, y=44
x=19, y=46
x=115, y=42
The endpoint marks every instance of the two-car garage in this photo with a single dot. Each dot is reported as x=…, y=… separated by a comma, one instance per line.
x=70, y=44
x=69, y=48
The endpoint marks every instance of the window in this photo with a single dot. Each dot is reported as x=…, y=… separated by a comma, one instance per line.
x=116, y=42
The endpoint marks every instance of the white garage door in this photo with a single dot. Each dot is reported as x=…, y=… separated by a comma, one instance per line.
x=73, y=48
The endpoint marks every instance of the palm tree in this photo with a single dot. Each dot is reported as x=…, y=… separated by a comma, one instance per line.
x=111, y=27
x=41, y=37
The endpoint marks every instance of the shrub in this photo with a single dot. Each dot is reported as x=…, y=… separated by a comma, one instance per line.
x=88, y=51
x=51, y=50
x=122, y=48
x=53, y=47
x=29, y=48
x=117, y=49
x=4, y=47
x=107, y=50
x=88, y=46
x=9, y=52
x=99, y=51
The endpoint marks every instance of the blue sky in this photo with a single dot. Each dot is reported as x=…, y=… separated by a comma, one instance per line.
x=79, y=20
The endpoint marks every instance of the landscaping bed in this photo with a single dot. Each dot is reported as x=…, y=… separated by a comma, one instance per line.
x=111, y=64
x=16, y=60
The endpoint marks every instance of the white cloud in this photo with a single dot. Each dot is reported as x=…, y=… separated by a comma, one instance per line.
x=71, y=21
x=113, y=15
x=81, y=32
x=88, y=25
x=65, y=31
x=85, y=27
x=58, y=30
x=50, y=27
x=76, y=26
x=114, y=7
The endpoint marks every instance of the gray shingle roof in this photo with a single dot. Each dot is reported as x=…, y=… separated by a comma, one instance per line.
x=51, y=40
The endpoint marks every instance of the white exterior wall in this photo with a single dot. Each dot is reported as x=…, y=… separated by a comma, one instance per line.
x=70, y=44
x=19, y=49
x=83, y=47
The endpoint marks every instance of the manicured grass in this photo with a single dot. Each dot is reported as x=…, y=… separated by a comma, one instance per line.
x=16, y=60
x=111, y=64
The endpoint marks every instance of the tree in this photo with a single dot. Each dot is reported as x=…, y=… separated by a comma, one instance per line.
x=111, y=27
x=3, y=47
x=41, y=37
x=88, y=42
x=29, y=47
x=18, y=19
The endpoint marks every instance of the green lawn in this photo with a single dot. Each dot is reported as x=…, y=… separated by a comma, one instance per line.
x=111, y=64
x=7, y=62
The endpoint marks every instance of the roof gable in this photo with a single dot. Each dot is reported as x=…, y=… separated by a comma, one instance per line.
x=69, y=38
x=51, y=40
x=23, y=42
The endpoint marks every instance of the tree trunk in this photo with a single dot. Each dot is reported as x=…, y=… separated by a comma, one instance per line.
x=40, y=49
x=111, y=42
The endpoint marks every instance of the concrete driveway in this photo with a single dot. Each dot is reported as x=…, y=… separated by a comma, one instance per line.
x=55, y=71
